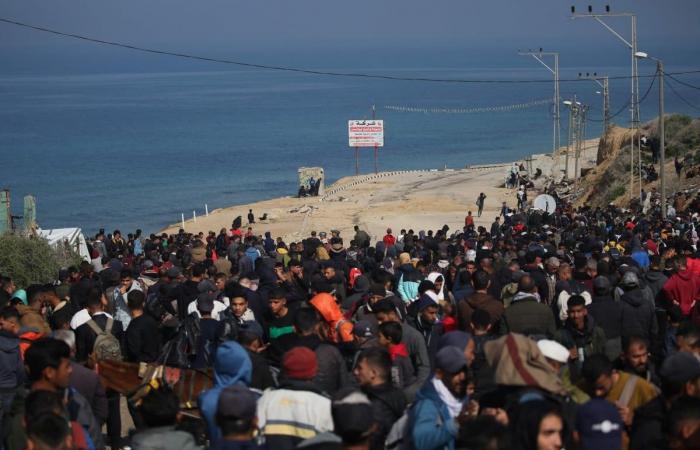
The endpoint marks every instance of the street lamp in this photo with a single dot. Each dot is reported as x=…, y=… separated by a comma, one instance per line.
x=662, y=141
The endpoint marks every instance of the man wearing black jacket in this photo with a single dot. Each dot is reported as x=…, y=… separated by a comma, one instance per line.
x=373, y=374
x=142, y=336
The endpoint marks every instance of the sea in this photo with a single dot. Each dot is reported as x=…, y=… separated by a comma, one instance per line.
x=128, y=150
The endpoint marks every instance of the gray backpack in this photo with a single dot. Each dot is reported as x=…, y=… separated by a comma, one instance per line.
x=106, y=345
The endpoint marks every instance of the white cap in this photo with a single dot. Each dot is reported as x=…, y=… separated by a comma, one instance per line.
x=471, y=255
x=553, y=350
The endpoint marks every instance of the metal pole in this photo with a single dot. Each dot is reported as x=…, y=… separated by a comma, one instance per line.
x=206, y=209
x=577, y=147
x=375, y=145
x=662, y=140
x=606, y=105
x=635, y=94
x=357, y=162
x=557, y=100
x=183, y=220
x=568, y=141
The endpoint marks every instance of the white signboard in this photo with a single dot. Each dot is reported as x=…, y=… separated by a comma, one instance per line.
x=366, y=133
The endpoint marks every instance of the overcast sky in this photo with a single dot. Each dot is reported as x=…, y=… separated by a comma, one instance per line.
x=230, y=28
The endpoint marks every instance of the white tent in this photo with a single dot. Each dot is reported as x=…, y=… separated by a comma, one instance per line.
x=73, y=236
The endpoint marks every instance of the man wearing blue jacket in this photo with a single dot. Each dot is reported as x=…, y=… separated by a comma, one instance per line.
x=433, y=421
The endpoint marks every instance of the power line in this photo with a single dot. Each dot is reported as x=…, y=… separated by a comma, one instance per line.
x=621, y=110
x=297, y=69
x=683, y=82
x=680, y=97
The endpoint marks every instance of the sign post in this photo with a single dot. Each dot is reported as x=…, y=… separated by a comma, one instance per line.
x=365, y=133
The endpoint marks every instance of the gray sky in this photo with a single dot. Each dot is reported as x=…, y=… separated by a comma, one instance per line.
x=230, y=28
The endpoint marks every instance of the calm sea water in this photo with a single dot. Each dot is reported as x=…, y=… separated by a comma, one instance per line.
x=136, y=150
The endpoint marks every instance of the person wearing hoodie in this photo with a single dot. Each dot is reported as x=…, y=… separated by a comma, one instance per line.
x=269, y=244
x=401, y=371
x=360, y=290
x=607, y=314
x=372, y=373
x=439, y=281
x=479, y=300
x=232, y=366
x=526, y=315
x=426, y=322
x=655, y=278
x=683, y=288
x=638, y=312
x=407, y=279
x=385, y=311
x=433, y=418
x=580, y=335
x=338, y=328
x=332, y=373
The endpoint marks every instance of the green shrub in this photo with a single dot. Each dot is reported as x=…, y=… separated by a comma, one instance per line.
x=614, y=193
x=29, y=260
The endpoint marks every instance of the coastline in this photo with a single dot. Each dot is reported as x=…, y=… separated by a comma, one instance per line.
x=417, y=199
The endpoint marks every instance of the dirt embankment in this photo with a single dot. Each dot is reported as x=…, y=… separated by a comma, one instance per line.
x=609, y=181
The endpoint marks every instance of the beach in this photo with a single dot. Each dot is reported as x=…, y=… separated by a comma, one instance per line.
x=416, y=199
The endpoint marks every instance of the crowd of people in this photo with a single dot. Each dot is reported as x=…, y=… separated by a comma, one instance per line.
x=578, y=329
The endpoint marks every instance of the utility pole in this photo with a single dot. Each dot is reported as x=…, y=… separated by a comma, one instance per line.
x=601, y=81
x=375, y=145
x=634, y=97
x=570, y=143
x=539, y=56
x=662, y=133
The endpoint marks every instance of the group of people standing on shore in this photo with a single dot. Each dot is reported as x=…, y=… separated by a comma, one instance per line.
x=577, y=329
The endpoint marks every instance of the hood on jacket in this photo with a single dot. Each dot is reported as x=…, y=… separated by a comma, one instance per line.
x=232, y=366
x=633, y=297
x=434, y=276
x=326, y=305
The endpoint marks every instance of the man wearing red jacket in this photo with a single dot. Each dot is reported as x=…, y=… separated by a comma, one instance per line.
x=683, y=288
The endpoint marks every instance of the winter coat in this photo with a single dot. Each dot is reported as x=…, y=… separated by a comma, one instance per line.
x=655, y=281
x=638, y=317
x=418, y=353
x=647, y=427
x=526, y=315
x=478, y=300
x=589, y=341
x=163, y=438
x=294, y=412
x=430, y=332
x=607, y=314
x=332, y=372
x=31, y=318
x=232, y=366
x=408, y=281
x=388, y=405
x=683, y=288
x=11, y=365
x=430, y=423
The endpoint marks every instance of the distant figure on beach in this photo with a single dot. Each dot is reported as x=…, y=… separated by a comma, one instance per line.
x=302, y=191
x=504, y=210
x=389, y=239
x=315, y=187
x=237, y=222
x=480, y=203
x=679, y=166
x=468, y=220
x=251, y=216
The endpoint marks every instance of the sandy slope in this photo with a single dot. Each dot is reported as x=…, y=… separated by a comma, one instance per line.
x=415, y=199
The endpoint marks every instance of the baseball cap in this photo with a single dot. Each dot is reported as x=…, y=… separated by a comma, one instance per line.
x=362, y=329
x=238, y=402
x=450, y=359
x=599, y=425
